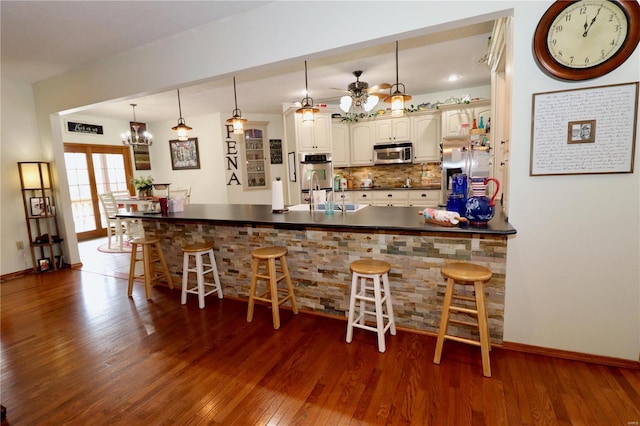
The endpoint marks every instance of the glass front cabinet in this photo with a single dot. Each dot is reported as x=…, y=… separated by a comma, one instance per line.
x=256, y=155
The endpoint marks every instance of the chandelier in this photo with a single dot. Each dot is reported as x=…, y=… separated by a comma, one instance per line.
x=136, y=139
x=359, y=102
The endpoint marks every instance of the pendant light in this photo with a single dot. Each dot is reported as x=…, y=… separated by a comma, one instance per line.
x=397, y=97
x=236, y=119
x=136, y=140
x=181, y=127
x=307, y=110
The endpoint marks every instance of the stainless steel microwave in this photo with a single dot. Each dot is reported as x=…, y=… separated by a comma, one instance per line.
x=393, y=153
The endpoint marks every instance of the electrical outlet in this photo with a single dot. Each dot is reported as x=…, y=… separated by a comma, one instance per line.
x=19, y=245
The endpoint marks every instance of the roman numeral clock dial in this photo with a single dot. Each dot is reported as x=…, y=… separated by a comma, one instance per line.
x=585, y=39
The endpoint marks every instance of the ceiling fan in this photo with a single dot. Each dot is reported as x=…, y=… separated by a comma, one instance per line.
x=361, y=98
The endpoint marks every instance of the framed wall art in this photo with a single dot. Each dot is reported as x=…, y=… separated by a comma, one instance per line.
x=44, y=264
x=40, y=206
x=584, y=131
x=184, y=154
x=141, y=157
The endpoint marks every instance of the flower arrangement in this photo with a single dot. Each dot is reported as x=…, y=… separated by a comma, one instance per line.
x=143, y=183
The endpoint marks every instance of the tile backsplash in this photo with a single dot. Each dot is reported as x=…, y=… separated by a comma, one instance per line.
x=392, y=175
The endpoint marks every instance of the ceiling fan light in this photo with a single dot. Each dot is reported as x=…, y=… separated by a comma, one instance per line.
x=345, y=103
x=371, y=102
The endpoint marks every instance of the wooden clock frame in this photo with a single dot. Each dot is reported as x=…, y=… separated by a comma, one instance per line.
x=546, y=62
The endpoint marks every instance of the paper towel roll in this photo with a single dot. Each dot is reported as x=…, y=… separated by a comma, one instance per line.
x=277, y=196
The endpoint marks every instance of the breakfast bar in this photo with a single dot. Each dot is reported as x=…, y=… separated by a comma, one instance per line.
x=321, y=247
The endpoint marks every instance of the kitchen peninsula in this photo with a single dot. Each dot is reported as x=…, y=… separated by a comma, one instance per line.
x=321, y=247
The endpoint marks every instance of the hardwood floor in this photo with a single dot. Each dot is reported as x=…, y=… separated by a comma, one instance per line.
x=76, y=350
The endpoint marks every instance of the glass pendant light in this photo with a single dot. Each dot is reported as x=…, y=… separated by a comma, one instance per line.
x=236, y=120
x=397, y=98
x=307, y=110
x=181, y=127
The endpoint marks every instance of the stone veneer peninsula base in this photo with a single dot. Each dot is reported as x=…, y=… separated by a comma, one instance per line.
x=320, y=253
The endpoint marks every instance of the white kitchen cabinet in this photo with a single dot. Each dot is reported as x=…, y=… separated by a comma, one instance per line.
x=424, y=198
x=392, y=130
x=391, y=198
x=340, y=140
x=453, y=116
x=362, y=197
x=362, y=136
x=314, y=137
x=426, y=137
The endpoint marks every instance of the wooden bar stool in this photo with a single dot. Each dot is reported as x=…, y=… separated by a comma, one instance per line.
x=267, y=256
x=151, y=254
x=202, y=288
x=375, y=270
x=466, y=274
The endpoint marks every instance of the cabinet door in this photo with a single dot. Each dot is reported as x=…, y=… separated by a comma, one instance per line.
x=426, y=138
x=340, y=143
x=361, y=144
x=305, y=134
x=322, y=133
x=484, y=112
x=392, y=130
x=391, y=198
x=362, y=197
x=454, y=118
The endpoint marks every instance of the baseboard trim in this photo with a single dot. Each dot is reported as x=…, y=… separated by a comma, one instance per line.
x=17, y=274
x=574, y=356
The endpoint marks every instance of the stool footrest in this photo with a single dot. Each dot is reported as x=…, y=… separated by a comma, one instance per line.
x=462, y=340
x=465, y=310
x=467, y=323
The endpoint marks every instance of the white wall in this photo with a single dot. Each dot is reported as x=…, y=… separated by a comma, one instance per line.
x=572, y=275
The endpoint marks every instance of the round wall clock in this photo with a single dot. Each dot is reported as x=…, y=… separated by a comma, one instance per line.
x=580, y=40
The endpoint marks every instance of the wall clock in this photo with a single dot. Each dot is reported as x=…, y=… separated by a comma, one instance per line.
x=580, y=40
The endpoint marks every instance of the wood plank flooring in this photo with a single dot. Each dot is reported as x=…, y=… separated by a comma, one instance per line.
x=76, y=350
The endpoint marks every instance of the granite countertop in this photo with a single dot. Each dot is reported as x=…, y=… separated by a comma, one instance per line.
x=372, y=218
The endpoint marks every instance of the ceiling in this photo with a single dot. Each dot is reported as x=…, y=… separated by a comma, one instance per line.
x=34, y=48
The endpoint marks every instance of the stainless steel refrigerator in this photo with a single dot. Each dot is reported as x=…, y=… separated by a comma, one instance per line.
x=468, y=154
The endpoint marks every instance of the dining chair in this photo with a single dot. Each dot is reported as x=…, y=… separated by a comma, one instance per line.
x=184, y=193
x=115, y=225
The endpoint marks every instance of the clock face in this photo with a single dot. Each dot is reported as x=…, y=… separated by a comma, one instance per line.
x=587, y=33
x=579, y=40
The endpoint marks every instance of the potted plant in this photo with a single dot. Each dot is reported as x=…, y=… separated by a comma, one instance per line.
x=144, y=185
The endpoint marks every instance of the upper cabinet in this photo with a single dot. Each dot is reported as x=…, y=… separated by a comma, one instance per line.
x=392, y=130
x=454, y=116
x=314, y=137
x=362, y=137
x=255, y=153
x=425, y=129
x=340, y=140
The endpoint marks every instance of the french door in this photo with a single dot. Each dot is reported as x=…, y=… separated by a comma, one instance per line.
x=91, y=170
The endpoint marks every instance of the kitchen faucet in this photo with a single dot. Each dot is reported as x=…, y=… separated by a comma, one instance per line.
x=317, y=184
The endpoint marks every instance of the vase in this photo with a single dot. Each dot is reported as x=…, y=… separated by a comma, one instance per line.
x=145, y=193
x=480, y=208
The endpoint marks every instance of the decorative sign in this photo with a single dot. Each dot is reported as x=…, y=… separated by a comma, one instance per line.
x=275, y=150
x=564, y=140
x=93, y=129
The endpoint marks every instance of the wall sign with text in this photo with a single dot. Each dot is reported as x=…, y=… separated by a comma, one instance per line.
x=92, y=129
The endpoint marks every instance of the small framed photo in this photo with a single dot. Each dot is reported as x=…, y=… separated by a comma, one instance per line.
x=582, y=131
x=184, y=154
x=40, y=206
x=44, y=264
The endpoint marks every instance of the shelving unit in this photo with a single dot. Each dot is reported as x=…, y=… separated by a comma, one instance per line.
x=39, y=202
x=255, y=144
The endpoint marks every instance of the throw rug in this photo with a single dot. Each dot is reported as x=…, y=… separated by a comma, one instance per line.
x=115, y=248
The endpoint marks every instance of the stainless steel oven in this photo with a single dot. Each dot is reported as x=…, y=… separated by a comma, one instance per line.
x=393, y=153
x=321, y=164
